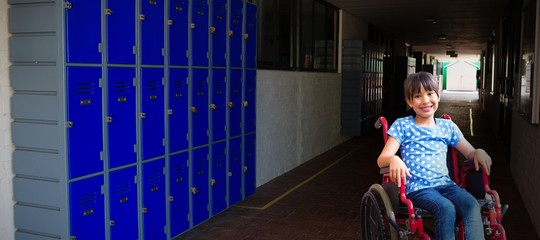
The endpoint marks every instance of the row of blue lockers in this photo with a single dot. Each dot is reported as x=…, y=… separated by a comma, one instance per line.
x=181, y=32
x=177, y=193
x=185, y=109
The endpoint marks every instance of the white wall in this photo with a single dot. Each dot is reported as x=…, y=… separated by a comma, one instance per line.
x=7, y=227
x=298, y=118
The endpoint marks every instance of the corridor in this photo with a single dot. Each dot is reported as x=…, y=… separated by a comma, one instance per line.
x=321, y=198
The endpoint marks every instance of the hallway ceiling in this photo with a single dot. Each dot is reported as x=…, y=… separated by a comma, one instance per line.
x=467, y=24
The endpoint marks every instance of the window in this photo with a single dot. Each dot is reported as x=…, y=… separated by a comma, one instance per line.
x=297, y=35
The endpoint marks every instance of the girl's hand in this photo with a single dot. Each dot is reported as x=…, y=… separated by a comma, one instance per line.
x=398, y=171
x=481, y=158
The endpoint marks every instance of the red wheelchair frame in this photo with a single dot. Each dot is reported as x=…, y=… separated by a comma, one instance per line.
x=387, y=213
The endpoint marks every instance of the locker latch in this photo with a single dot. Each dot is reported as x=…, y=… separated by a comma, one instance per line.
x=213, y=106
x=169, y=111
x=69, y=124
x=212, y=30
x=108, y=11
x=171, y=198
x=245, y=103
x=245, y=169
x=154, y=189
x=230, y=33
x=73, y=238
x=192, y=25
x=230, y=104
x=144, y=210
x=213, y=182
x=194, y=190
x=111, y=223
x=123, y=200
x=67, y=5
x=194, y=110
x=88, y=212
x=141, y=17
x=143, y=115
x=169, y=22
x=109, y=119
x=246, y=36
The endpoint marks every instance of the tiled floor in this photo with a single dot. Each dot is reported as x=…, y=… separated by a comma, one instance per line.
x=321, y=198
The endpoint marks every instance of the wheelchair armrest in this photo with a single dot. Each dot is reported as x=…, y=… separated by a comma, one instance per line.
x=384, y=170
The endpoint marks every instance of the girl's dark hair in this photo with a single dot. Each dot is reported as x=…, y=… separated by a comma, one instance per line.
x=414, y=83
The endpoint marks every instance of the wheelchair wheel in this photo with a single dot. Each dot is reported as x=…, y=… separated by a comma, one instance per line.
x=376, y=212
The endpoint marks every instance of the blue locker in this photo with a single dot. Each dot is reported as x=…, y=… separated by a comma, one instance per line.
x=249, y=101
x=179, y=193
x=121, y=117
x=152, y=32
x=235, y=33
x=199, y=108
x=87, y=209
x=152, y=115
x=199, y=33
x=218, y=105
x=123, y=204
x=178, y=32
x=83, y=31
x=219, y=32
x=250, y=38
x=235, y=103
x=178, y=110
x=85, y=131
x=249, y=165
x=154, y=209
x=235, y=170
x=120, y=31
x=200, y=185
x=218, y=180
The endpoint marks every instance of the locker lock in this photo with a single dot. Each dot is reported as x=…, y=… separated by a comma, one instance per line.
x=230, y=104
x=108, y=11
x=213, y=106
x=230, y=33
x=213, y=182
x=194, y=190
x=169, y=111
x=67, y=5
x=246, y=36
x=245, y=103
x=111, y=223
x=109, y=119
x=212, y=30
x=192, y=25
x=171, y=198
x=194, y=110
x=169, y=22
x=144, y=210
x=141, y=17
x=69, y=124
x=245, y=169
x=143, y=115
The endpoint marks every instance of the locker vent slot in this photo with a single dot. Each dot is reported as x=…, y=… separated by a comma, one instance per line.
x=124, y=188
x=85, y=88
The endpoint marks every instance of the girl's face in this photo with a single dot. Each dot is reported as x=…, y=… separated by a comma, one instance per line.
x=424, y=104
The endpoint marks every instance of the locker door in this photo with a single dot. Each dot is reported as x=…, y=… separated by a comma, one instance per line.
x=120, y=31
x=154, y=200
x=249, y=101
x=200, y=185
x=153, y=125
x=235, y=170
x=178, y=32
x=235, y=103
x=123, y=204
x=218, y=180
x=250, y=38
x=83, y=31
x=199, y=108
x=152, y=32
x=179, y=198
x=235, y=33
x=178, y=110
x=249, y=165
x=85, y=136
x=87, y=210
x=121, y=116
x=218, y=105
x=219, y=32
x=199, y=33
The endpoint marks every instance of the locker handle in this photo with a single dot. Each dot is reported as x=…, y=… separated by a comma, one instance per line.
x=123, y=200
x=194, y=110
x=154, y=189
x=213, y=106
x=230, y=104
x=88, y=212
x=212, y=30
x=108, y=11
x=194, y=190
x=246, y=104
x=213, y=182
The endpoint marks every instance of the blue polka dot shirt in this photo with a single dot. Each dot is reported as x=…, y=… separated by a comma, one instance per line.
x=423, y=149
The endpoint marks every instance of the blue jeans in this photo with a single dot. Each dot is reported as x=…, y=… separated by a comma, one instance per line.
x=446, y=202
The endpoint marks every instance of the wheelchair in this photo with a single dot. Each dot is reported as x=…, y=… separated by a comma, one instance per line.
x=386, y=213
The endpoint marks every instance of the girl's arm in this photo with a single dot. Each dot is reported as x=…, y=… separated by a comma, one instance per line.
x=397, y=169
x=480, y=157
